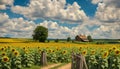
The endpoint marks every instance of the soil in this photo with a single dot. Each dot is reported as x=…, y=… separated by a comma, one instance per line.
x=67, y=66
x=50, y=66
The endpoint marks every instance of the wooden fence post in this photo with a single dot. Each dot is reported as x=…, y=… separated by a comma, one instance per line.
x=73, y=61
x=78, y=62
x=43, y=59
x=81, y=62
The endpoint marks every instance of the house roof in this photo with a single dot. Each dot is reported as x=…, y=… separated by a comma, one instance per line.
x=83, y=37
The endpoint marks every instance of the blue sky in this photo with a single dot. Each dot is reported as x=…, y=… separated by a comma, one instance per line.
x=66, y=18
x=86, y=5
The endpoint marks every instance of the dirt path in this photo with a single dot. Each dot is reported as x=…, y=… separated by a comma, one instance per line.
x=67, y=66
x=50, y=66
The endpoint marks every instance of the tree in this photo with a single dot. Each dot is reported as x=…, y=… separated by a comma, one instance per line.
x=68, y=39
x=40, y=33
x=56, y=40
x=89, y=38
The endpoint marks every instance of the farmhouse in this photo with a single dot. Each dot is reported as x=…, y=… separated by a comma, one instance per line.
x=81, y=38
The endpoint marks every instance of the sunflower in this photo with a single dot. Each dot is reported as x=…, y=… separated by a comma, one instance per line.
x=26, y=51
x=24, y=48
x=5, y=47
x=28, y=47
x=53, y=51
x=105, y=55
x=84, y=52
x=64, y=52
x=5, y=59
x=50, y=51
x=117, y=52
x=2, y=49
x=102, y=50
x=92, y=52
x=16, y=53
x=57, y=48
x=39, y=50
x=3, y=54
x=114, y=48
x=13, y=50
x=80, y=48
x=110, y=50
x=8, y=46
x=38, y=47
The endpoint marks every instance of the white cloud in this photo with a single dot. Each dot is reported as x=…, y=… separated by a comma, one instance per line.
x=92, y=27
x=96, y=1
x=3, y=3
x=108, y=15
x=107, y=10
x=52, y=9
x=108, y=31
x=55, y=30
x=16, y=27
x=105, y=24
x=115, y=3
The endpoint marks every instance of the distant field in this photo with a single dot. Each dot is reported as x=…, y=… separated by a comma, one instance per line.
x=18, y=42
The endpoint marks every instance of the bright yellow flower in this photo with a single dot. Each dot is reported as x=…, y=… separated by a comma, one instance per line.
x=53, y=51
x=2, y=49
x=110, y=50
x=26, y=51
x=92, y=52
x=16, y=53
x=117, y=52
x=38, y=47
x=114, y=48
x=3, y=54
x=84, y=52
x=105, y=55
x=5, y=59
x=13, y=50
x=102, y=50
x=58, y=48
x=24, y=48
x=64, y=52
x=80, y=48
x=50, y=51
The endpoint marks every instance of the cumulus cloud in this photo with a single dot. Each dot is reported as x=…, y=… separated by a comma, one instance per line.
x=3, y=4
x=107, y=31
x=96, y=1
x=52, y=9
x=115, y=3
x=105, y=24
x=107, y=13
x=92, y=27
x=55, y=30
x=16, y=27
x=107, y=10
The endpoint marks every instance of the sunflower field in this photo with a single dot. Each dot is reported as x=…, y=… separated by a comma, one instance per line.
x=20, y=55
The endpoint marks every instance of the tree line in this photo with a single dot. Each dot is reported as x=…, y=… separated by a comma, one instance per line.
x=41, y=33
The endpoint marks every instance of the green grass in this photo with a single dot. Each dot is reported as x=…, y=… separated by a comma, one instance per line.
x=33, y=67
x=36, y=67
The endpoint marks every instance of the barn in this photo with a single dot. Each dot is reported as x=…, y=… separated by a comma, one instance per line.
x=81, y=38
